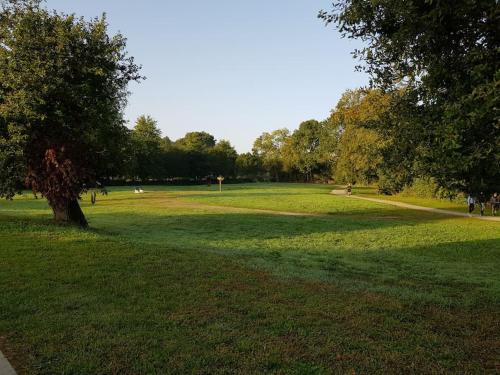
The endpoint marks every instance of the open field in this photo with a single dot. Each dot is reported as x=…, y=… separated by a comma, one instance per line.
x=186, y=279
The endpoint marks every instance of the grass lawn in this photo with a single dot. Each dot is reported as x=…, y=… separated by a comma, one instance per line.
x=190, y=280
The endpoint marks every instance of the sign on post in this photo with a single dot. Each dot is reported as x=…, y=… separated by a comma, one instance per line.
x=220, y=179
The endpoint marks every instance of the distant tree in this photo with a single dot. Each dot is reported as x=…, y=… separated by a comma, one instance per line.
x=147, y=148
x=446, y=57
x=197, y=147
x=248, y=166
x=197, y=141
x=268, y=148
x=360, y=147
x=223, y=159
x=307, y=153
x=166, y=144
x=63, y=86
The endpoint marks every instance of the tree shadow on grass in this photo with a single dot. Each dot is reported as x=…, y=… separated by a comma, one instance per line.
x=460, y=274
x=202, y=228
x=239, y=194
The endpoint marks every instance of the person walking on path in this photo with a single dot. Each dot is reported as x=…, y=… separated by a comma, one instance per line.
x=495, y=204
x=349, y=189
x=471, y=202
x=482, y=202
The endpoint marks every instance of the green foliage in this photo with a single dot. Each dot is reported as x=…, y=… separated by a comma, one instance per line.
x=311, y=149
x=12, y=161
x=146, y=143
x=63, y=86
x=427, y=187
x=223, y=157
x=441, y=61
x=422, y=188
x=248, y=166
x=269, y=148
x=197, y=155
x=196, y=141
x=359, y=150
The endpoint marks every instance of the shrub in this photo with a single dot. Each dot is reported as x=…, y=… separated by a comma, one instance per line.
x=427, y=187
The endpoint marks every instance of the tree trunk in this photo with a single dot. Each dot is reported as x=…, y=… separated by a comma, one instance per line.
x=71, y=213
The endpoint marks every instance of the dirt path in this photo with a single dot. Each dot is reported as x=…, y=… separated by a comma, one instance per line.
x=178, y=202
x=418, y=208
x=5, y=367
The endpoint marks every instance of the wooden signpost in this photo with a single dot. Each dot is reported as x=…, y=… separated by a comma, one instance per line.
x=220, y=179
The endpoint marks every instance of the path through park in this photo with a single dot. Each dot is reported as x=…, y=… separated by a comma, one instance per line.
x=178, y=202
x=5, y=367
x=415, y=207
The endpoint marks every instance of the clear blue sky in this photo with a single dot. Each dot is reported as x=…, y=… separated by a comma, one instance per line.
x=233, y=68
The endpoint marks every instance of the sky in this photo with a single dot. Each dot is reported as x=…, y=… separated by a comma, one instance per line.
x=232, y=68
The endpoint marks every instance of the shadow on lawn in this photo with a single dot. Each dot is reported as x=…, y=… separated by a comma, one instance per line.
x=204, y=227
x=240, y=194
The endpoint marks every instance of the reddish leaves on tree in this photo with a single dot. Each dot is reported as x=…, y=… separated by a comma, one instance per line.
x=57, y=176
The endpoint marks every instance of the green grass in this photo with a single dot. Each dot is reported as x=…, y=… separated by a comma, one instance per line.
x=190, y=280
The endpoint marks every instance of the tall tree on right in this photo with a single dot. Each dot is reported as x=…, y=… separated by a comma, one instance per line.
x=441, y=59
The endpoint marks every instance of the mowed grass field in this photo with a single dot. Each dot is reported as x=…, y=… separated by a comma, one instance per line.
x=190, y=280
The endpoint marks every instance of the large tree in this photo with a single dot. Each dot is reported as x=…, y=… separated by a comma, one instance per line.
x=442, y=58
x=196, y=148
x=311, y=149
x=223, y=159
x=248, y=166
x=63, y=86
x=269, y=149
x=360, y=147
x=197, y=141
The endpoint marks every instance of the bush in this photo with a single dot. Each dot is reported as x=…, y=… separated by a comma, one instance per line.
x=388, y=185
x=421, y=187
x=427, y=187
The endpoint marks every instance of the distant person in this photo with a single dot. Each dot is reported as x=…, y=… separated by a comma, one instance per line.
x=482, y=202
x=471, y=202
x=349, y=189
x=495, y=204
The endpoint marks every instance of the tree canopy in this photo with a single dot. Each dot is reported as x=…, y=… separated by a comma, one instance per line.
x=442, y=59
x=146, y=143
x=63, y=85
x=360, y=146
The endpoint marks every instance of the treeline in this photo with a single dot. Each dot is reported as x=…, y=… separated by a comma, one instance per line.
x=341, y=148
x=353, y=145
x=431, y=118
x=196, y=156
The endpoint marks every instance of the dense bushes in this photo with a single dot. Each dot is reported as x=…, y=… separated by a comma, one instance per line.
x=427, y=187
